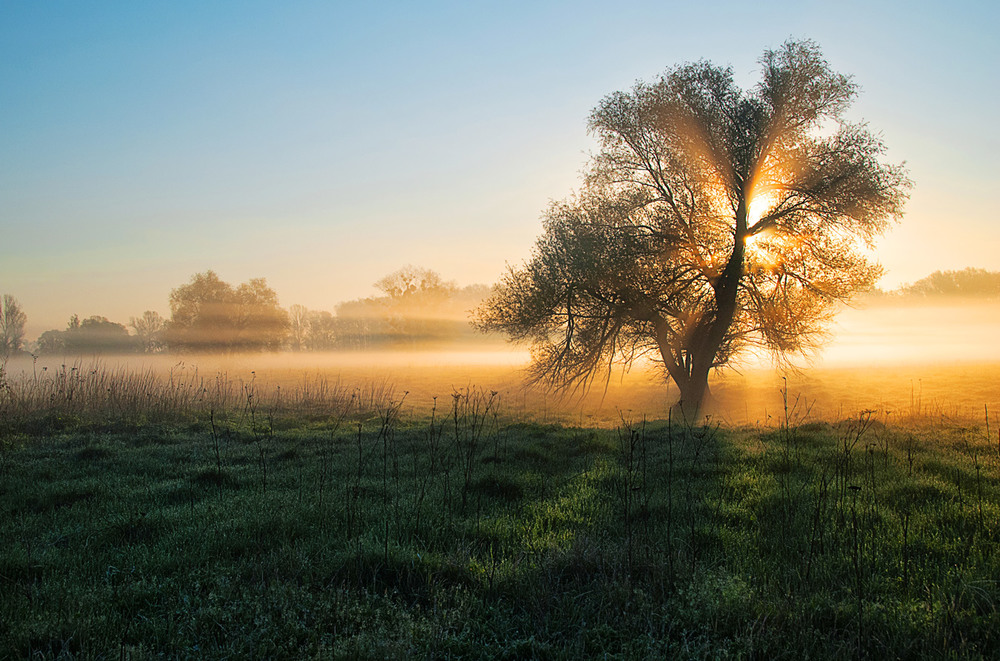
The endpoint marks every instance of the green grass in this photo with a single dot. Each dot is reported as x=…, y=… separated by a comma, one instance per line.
x=468, y=535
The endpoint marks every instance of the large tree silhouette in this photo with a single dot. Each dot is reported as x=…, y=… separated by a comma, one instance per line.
x=712, y=220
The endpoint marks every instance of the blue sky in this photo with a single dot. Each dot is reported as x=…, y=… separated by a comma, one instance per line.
x=322, y=145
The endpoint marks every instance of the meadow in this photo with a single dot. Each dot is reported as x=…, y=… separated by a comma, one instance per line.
x=280, y=508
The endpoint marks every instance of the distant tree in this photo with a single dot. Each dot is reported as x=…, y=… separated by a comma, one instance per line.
x=970, y=282
x=12, y=320
x=712, y=221
x=417, y=304
x=412, y=282
x=149, y=330
x=51, y=342
x=298, y=328
x=93, y=335
x=418, y=308
x=98, y=334
x=322, y=331
x=471, y=296
x=201, y=314
x=208, y=314
x=261, y=322
x=361, y=324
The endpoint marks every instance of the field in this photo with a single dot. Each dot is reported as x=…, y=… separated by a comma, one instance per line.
x=266, y=508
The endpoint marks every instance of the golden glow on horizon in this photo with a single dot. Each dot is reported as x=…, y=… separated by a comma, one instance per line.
x=959, y=386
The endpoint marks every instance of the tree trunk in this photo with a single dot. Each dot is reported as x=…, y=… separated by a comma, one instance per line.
x=692, y=380
x=693, y=393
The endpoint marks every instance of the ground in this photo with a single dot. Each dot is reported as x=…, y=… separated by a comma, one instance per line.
x=350, y=527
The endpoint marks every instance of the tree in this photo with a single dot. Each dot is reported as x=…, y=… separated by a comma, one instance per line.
x=12, y=320
x=51, y=342
x=416, y=304
x=208, y=314
x=417, y=307
x=93, y=335
x=298, y=328
x=322, y=331
x=411, y=282
x=97, y=334
x=711, y=222
x=261, y=323
x=149, y=330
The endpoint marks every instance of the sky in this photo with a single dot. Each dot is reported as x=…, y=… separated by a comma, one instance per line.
x=323, y=145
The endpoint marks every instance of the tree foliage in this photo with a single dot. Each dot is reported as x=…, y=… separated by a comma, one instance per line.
x=149, y=330
x=93, y=335
x=415, y=284
x=713, y=221
x=311, y=330
x=417, y=307
x=322, y=331
x=12, y=320
x=208, y=314
x=298, y=327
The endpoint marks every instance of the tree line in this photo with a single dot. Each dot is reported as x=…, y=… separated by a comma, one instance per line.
x=968, y=283
x=416, y=307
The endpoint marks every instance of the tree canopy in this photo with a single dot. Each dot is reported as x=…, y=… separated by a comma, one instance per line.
x=93, y=335
x=12, y=320
x=418, y=308
x=148, y=330
x=208, y=314
x=712, y=221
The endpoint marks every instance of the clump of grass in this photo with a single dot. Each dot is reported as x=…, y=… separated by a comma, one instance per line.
x=501, y=487
x=96, y=396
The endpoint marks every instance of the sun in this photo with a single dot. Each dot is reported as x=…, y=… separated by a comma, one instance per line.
x=760, y=205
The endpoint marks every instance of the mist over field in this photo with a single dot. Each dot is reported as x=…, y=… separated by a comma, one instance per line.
x=906, y=333
x=900, y=358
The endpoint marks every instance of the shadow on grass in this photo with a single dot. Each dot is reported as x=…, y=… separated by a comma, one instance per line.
x=466, y=535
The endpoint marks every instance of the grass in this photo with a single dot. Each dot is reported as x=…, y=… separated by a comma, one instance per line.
x=249, y=525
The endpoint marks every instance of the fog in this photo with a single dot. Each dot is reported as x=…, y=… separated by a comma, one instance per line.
x=907, y=333
x=898, y=360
